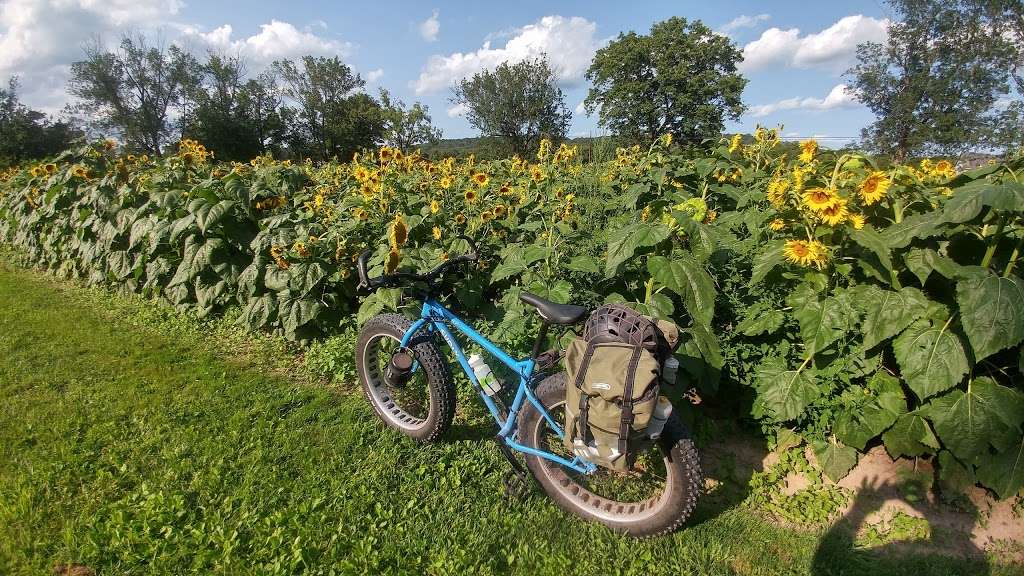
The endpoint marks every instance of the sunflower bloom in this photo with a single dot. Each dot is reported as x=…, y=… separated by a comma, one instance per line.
x=470, y=195
x=360, y=214
x=806, y=253
x=819, y=199
x=435, y=207
x=857, y=220
x=393, y=260
x=808, y=148
x=777, y=224
x=398, y=232
x=836, y=213
x=481, y=179
x=460, y=219
x=500, y=211
x=486, y=216
x=777, y=192
x=735, y=143
x=436, y=232
x=874, y=187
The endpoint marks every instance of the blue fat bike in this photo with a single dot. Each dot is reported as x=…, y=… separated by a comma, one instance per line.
x=409, y=383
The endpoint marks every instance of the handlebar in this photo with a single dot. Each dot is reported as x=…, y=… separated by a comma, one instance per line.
x=398, y=278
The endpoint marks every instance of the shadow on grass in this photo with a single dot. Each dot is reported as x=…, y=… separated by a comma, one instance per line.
x=945, y=550
x=728, y=461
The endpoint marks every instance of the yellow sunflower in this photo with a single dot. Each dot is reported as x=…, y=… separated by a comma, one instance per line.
x=857, y=220
x=777, y=224
x=806, y=252
x=436, y=232
x=486, y=216
x=735, y=143
x=481, y=179
x=460, y=219
x=398, y=233
x=500, y=211
x=874, y=187
x=818, y=199
x=836, y=213
x=470, y=195
x=435, y=207
x=808, y=148
x=360, y=214
x=392, y=262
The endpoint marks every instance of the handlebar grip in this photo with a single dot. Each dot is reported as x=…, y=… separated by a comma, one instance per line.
x=473, y=255
x=364, y=278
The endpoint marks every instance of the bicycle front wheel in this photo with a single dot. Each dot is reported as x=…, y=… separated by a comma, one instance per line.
x=652, y=499
x=421, y=408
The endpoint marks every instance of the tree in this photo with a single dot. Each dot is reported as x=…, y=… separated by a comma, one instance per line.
x=934, y=83
x=27, y=134
x=406, y=128
x=680, y=79
x=134, y=90
x=332, y=117
x=519, y=103
x=235, y=118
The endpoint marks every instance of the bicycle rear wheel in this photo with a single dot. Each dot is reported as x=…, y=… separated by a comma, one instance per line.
x=423, y=407
x=654, y=498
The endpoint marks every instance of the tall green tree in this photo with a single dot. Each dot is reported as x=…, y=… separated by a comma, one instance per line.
x=236, y=118
x=680, y=79
x=27, y=134
x=135, y=90
x=406, y=128
x=934, y=83
x=519, y=103
x=331, y=116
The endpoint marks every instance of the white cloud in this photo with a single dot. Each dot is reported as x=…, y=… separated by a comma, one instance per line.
x=457, y=110
x=569, y=43
x=275, y=41
x=744, y=21
x=40, y=38
x=581, y=109
x=430, y=27
x=833, y=47
x=374, y=75
x=839, y=97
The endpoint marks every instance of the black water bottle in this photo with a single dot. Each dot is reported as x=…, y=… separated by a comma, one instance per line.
x=399, y=369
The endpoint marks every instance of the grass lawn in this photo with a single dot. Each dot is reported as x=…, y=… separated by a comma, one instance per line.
x=137, y=450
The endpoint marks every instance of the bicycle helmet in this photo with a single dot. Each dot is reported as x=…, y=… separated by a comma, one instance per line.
x=618, y=323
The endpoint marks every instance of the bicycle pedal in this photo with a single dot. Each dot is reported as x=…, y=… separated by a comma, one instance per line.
x=516, y=485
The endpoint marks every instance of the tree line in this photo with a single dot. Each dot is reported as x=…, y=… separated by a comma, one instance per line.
x=948, y=79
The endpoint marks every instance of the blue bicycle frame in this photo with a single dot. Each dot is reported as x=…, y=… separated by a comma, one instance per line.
x=435, y=317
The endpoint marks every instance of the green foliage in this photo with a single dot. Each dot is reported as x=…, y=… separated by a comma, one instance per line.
x=331, y=358
x=680, y=79
x=933, y=83
x=27, y=134
x=519, y=103
x=406, y=128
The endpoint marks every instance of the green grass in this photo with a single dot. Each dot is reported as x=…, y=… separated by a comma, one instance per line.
x=135, y=441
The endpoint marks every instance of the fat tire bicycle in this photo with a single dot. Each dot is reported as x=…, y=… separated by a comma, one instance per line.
x=655, y=498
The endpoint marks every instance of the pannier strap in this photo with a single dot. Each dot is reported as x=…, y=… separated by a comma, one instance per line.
x=582, y=427
x=626, y=420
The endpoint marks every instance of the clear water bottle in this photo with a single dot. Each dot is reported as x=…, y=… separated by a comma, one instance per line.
x=488, y=381
x=661, y=413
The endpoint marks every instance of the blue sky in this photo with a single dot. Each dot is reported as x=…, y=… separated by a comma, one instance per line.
x=794, y=54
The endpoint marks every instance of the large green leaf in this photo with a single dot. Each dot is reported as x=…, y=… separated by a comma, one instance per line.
x=684, y=276
x=857, y=427
x=931, y=358
x=586, y=264
x=869, y=238
x=910, y=436
x=992, y=313
x=916, y=226
x=969, y=422
x=624, y=242
x=953, y=474
x=888, y=312
x=786, y=393
x=835, y=459
x=295, y=313
x=822, y=322
x=923, y=261
x=305, y=277
x=766, y=260
x=701, y=357
x=1004, y=471
x=259, y=312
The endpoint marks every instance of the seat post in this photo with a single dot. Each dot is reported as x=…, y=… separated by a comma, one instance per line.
x=541, y=337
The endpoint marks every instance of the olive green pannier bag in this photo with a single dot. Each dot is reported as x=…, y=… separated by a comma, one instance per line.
x=614, y=380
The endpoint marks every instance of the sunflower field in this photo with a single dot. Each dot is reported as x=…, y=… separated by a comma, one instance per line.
x=822, y=294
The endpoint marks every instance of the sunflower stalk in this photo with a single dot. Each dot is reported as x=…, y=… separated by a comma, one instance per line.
x=993, y=243
x=1013, y=258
